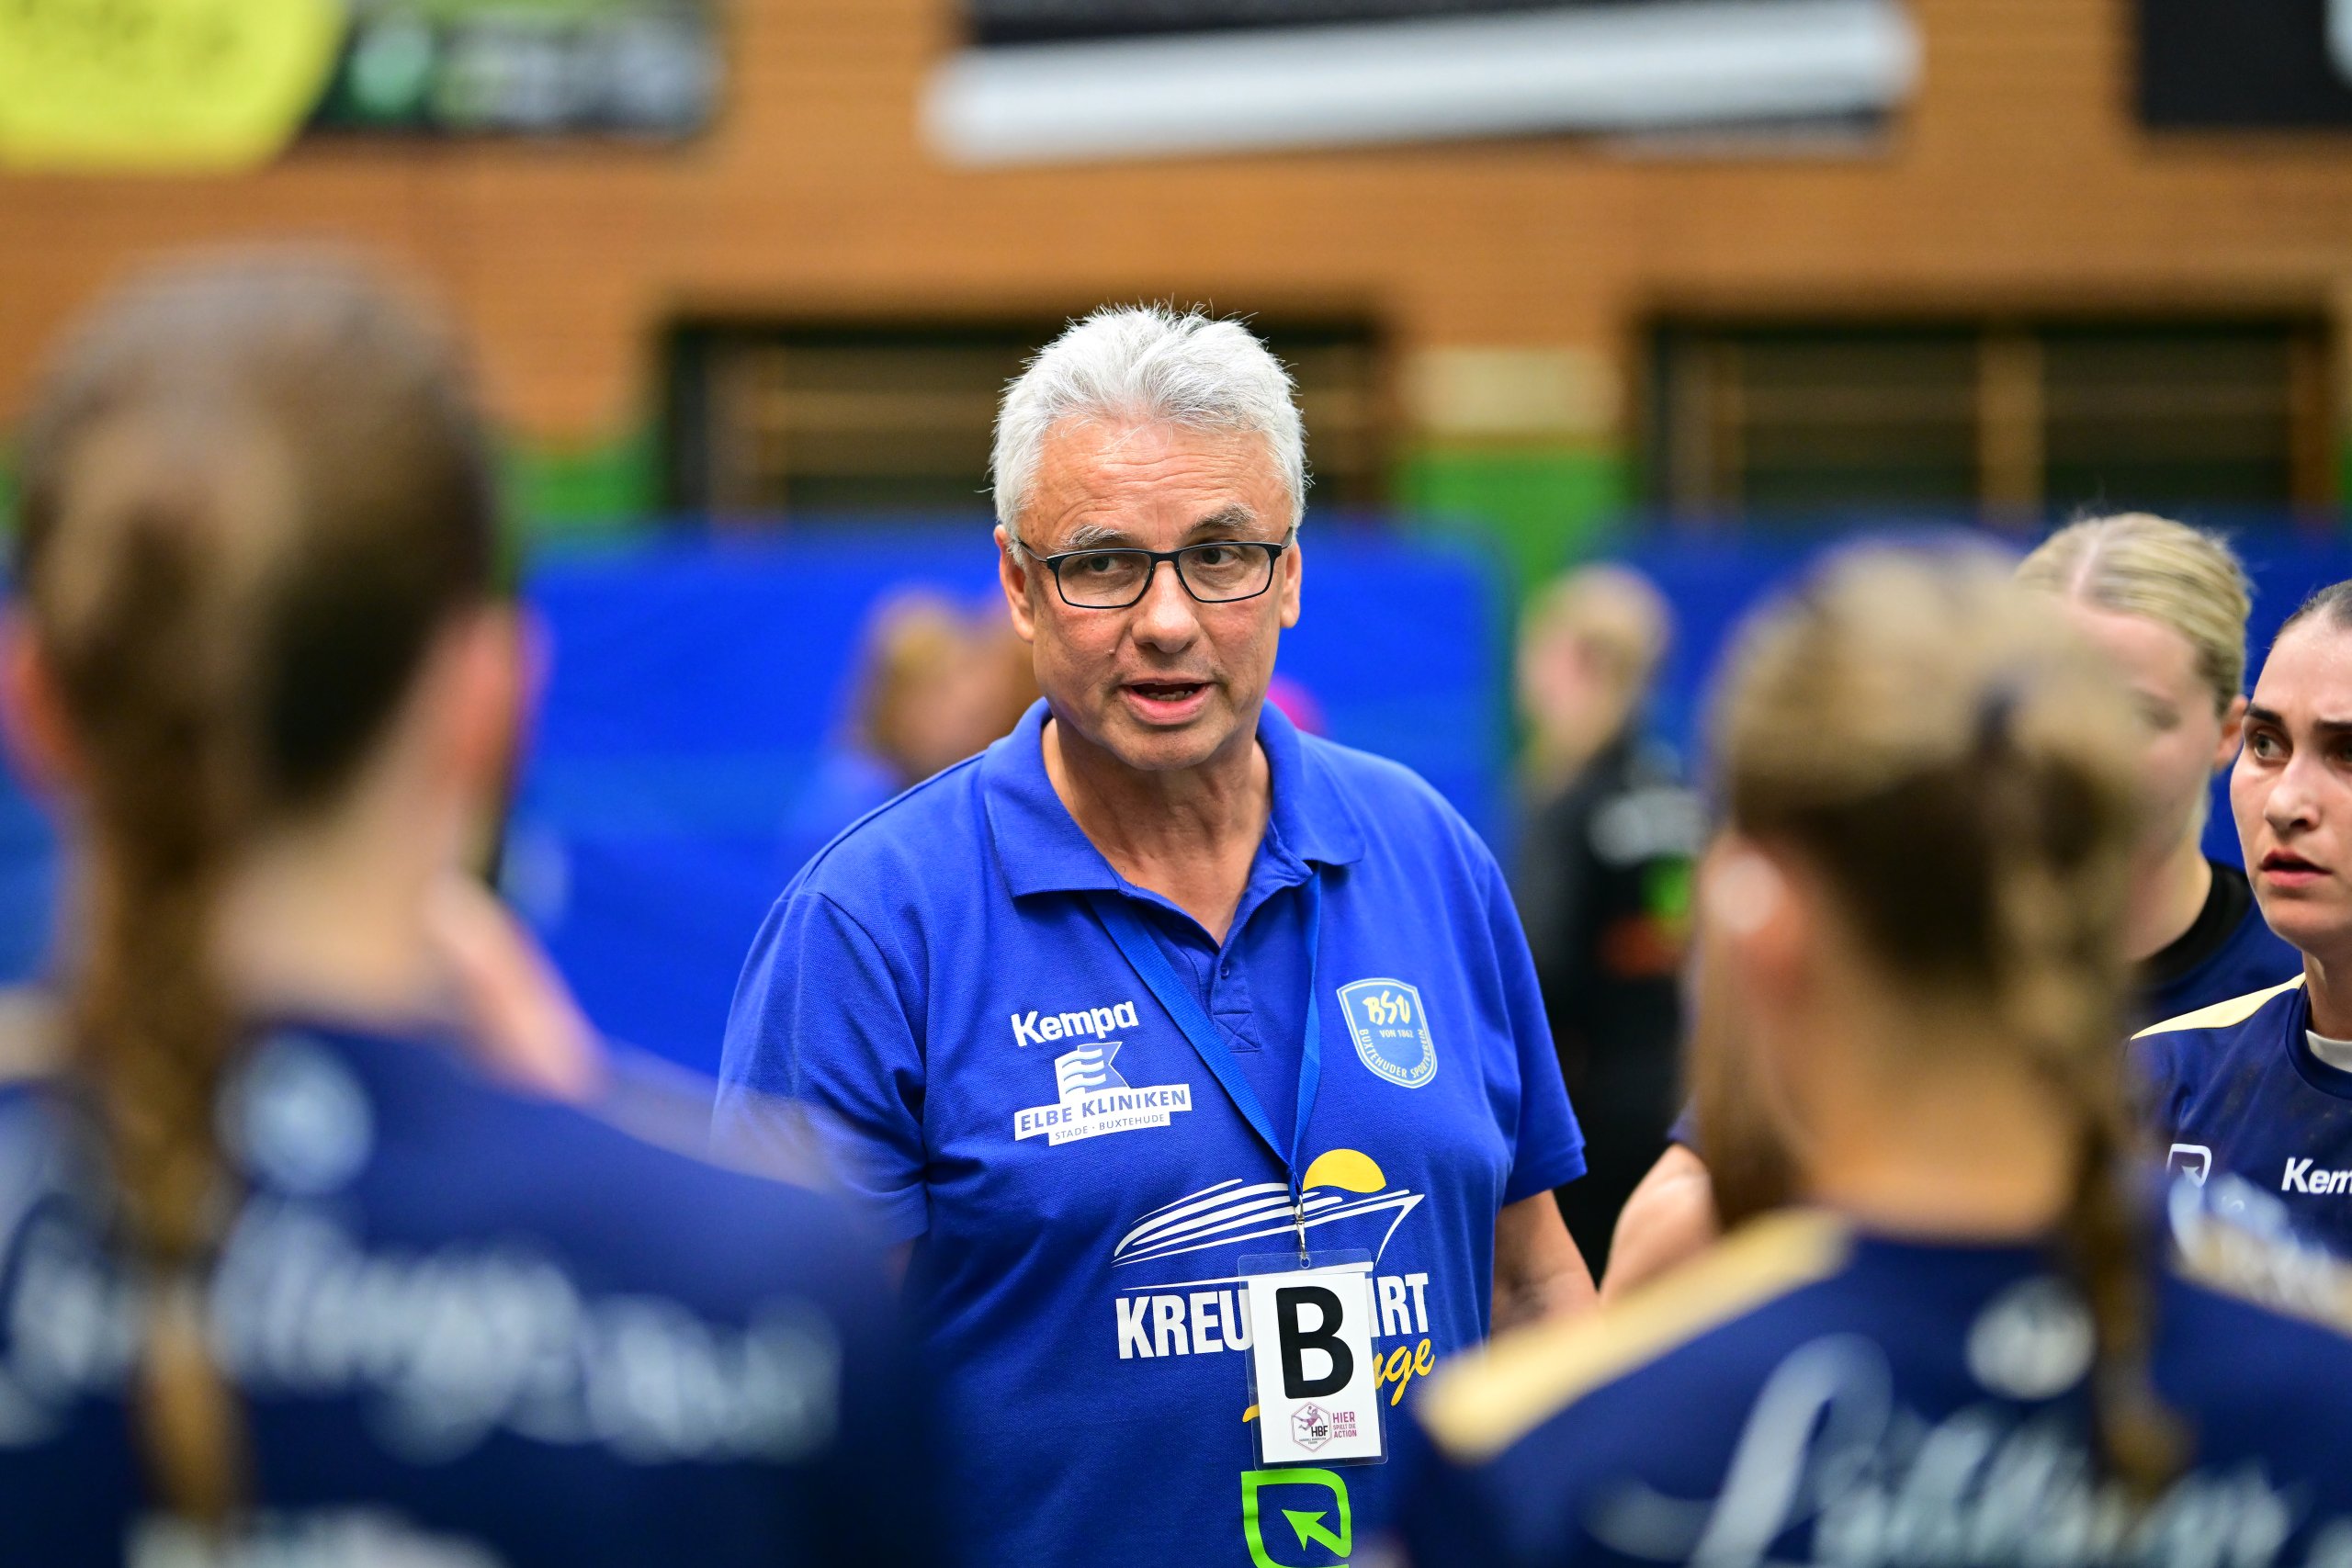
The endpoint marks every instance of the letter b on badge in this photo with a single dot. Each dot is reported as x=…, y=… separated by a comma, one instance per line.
x=1296, y=1341
x=1311, y=1358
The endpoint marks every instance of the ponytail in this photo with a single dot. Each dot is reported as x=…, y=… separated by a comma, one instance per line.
x=2059, y=966
x=151, y=1025
x=254, y=491
x=1962, y=771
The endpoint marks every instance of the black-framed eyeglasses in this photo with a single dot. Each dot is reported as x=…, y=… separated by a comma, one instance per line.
x=1215, y=573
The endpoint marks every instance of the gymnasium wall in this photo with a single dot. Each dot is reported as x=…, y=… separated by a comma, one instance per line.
x=1513, y=279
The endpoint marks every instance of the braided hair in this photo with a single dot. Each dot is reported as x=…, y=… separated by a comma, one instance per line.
x=253, y=489
x=1958, y=767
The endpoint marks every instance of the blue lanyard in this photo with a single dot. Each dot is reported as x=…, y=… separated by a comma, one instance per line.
x=1152, y=967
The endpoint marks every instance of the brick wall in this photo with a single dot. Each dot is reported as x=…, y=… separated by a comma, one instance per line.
x=2016, y=178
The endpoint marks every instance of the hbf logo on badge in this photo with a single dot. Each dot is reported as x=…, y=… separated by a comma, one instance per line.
x=1391, y=1032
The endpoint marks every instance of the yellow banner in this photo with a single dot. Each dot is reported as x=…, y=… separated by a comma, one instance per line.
x=160, y=85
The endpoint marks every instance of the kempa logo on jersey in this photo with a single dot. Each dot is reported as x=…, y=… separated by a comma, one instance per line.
x=1039, y=1028
x=1096, y=1100
x=2302, y=1177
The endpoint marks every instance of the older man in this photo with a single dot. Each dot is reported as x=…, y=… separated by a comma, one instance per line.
x=1157, y=986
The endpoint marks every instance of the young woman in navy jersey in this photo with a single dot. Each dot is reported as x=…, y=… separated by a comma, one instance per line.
x=2259, y=1087
x=1960, y=1348
x=2168, y=604
x=282, y=1277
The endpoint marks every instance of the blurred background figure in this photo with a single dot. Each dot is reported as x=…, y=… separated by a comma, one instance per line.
x=2168, y=604
x=939, y=679
x=1603, y=874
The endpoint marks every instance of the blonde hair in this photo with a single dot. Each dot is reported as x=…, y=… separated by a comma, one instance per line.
x=1959, y=768
x=1616, y=613
x=912, y=640
x=2139, y=564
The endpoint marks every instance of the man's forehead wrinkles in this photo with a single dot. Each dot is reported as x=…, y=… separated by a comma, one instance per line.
x=1129, y=512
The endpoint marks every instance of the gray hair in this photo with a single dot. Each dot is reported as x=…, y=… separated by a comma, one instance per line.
x=1147, y=363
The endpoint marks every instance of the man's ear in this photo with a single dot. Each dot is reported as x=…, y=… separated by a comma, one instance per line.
x=1016, y=574
x=40, y=742
x=1294, y=572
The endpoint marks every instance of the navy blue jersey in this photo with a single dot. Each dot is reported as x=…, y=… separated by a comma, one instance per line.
x=1809, y=1393
x=467, y=1328
x=2228, y=952
x=2235, y=1090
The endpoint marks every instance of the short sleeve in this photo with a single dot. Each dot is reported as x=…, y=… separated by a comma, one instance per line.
x=2154, y=1071
x=1547, y=1147
x=820, y=1040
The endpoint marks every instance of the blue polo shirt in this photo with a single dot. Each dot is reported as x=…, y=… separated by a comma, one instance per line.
x=1079, y=1188
x=2235, y=1089
x=465, y=1327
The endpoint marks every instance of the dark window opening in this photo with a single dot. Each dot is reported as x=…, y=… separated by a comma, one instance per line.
x=765, y=422
x=2008, y=420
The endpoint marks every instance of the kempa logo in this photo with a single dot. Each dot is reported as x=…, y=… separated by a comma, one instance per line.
x=2302, y=1177
x=1038, y=1028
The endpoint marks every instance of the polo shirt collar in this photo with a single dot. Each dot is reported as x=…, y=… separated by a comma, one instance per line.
x=1311, y=817
x=1043, y=850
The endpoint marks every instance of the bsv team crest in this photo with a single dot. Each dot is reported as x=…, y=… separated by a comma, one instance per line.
x=1391, y=1032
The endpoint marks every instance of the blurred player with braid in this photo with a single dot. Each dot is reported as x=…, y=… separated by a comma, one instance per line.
x=2168, y=604
x=283, y=1278
x=1959, y=1347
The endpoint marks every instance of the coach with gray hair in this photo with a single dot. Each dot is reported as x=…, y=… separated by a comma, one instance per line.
x=1200, y=1063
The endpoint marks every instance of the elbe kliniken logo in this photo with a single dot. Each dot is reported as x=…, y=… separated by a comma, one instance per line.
x=1036, y=1028
x=1092, y=1096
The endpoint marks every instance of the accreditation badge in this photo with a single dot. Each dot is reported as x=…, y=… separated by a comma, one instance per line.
x=1312, y=1368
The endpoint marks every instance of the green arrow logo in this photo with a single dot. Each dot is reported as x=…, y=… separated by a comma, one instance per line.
x=1309, y=1527
x=1306, y=1523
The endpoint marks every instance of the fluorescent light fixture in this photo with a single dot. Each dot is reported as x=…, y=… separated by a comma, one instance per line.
x=1673, y=64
